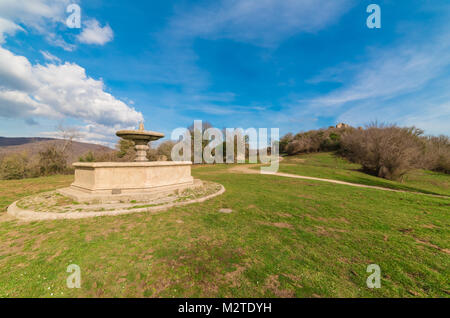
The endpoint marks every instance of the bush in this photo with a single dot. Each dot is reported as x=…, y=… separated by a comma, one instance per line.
x=52, y=161
x=386, y=151
x=284, y=142
x=312, y=141
x=126, y=150
x=89, y=157
x=14, y=167
x=437, y=154
x=164, y=150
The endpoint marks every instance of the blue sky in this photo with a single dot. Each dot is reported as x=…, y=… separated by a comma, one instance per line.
x=291, y=64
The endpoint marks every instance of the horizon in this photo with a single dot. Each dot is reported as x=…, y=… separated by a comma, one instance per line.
x=293, y=65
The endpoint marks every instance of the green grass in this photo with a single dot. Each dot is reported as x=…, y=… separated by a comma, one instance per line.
x=329, y=166
x=12, y=190
x=285, y=237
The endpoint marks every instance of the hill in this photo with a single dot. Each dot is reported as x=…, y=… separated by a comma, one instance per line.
x=32, y=146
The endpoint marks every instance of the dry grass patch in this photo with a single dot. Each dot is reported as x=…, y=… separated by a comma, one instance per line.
x=322, y=219
x=281, y=225
x=273, y=285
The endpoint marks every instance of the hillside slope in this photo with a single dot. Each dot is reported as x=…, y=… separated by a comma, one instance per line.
x=32, y=146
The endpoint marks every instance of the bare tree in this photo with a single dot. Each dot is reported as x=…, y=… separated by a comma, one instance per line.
x=387, y=151
x=67, y=134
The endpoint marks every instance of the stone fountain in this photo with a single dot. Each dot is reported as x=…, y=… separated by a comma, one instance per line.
x=127, y=181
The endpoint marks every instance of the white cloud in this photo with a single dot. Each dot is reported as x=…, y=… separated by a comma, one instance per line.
x=90, y=133
x=17, y=104
x=391, y=73
x=433, y=119
x=425, y=112
x=39, y=15
x=8, y=27
x=58, y=91
x=388, y=72
x=427, y=109
x=50, y=57
x=57, y=40
x=402, y=84
x=262, y=22
x=43, y=16
x=93, y=33
x=36, y=13
x=15, y=72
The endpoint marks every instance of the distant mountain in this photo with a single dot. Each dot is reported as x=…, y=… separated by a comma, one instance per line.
x=32, y=145
x=17, y=141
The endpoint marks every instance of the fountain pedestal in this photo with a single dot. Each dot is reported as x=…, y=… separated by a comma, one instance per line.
x=141, y=148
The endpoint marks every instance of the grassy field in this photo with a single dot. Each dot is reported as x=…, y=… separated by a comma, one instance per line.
x=284, y=238
x=329, y=166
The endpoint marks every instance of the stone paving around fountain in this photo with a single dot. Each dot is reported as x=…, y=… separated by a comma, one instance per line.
x=53, y=205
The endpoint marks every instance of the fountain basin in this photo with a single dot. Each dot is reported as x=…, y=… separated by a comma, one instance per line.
x=125, y=181
x=139, y=135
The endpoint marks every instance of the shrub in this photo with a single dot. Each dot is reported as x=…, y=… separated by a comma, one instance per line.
x=52, y=161
x=386, y=151
x=101, y=156
x=126, y=150
x=14, y=166
x=284, y=142
x=437, y=154
x=164, y=150
x=312, y=141
x=89, y=157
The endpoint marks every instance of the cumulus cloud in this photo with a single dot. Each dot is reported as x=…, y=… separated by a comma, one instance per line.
x=58, y=91
x=93, y=33
x=15, y=72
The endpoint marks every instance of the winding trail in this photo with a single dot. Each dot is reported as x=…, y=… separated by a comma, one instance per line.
x=247, y=168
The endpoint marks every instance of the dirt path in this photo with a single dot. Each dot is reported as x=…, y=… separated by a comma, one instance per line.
x=5, y=217
x=244, y=169
x=247, y=168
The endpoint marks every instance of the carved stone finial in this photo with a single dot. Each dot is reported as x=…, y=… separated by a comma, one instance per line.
x=141, y=126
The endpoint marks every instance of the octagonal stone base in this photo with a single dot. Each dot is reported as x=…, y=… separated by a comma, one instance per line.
x=126, y=181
